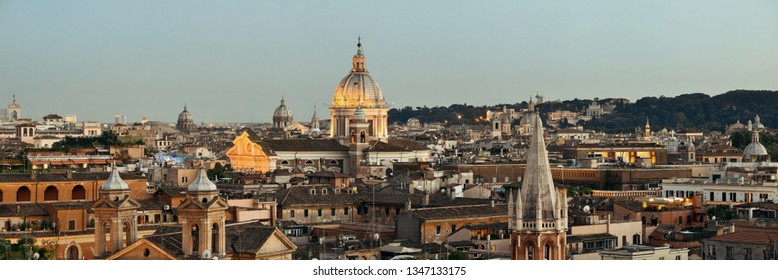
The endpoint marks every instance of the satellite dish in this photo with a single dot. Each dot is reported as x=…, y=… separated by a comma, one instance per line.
x=36, y=256
x=206, y=254
x=586, y=208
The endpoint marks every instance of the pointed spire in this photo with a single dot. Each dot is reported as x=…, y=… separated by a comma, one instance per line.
x=185, y=107
x=648, y=125
x=201, y=183
x=114, y=182
x=511, y=212
x=537, y=185
x=283, y=102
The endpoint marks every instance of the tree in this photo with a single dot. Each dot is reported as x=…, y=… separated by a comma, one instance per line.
x=458, y=256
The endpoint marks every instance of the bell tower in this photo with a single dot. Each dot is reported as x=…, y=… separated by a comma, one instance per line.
x=537, y=212
x=116, y=216
x=202, y=218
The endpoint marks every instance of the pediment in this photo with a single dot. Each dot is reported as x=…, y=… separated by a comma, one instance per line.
x=137, y=249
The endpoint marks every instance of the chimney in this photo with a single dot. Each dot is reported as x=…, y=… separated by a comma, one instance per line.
x=69, y=174
x=608, y=226
x=425, y=200
x=452, y=194
x=491, y=202
x=411, y=188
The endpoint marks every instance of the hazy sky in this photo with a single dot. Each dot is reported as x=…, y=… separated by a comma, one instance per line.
x=233, y=60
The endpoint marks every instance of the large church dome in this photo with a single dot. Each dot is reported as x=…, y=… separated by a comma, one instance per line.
x=358, y=88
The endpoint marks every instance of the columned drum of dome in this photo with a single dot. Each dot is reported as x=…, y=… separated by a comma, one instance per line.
x=358, y=90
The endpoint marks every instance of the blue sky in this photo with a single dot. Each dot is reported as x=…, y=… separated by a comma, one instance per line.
x=234, y=60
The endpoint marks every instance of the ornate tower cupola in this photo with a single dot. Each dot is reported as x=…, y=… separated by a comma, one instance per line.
x=202, y=218
x=647, y=131
x=358, y=62
x=537, y=212
x=315, y=129
x=116, y=216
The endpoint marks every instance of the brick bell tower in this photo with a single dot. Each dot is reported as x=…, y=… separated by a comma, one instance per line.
x=202, y=216
x=538, y=211
x=116, y=216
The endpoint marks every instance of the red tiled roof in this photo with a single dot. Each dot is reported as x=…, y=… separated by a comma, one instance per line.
x=751, y=237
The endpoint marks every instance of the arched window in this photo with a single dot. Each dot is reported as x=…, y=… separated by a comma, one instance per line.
x=353, y=137
x=51, y=194
x=23, y=194
x=195, y=239
x=284, y=162
x=1, y=196
x=530, y=251
x=362, y=136
x=127, y=228
x=215, y=238
x=78, y=192
x=309, y=162
x=547, y=251
x=333, y=162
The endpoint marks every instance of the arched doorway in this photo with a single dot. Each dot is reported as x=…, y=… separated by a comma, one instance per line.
x=78, y=193
x=73, y=252
x=51, y=194
x=23, y=194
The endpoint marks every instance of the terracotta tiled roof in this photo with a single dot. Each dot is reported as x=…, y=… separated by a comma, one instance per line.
x=396, y=145
x=750, y=237
x=55, y=177
x=302, y=145
x=22, y=209
x=459, y=212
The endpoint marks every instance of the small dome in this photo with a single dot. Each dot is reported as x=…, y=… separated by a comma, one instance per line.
x=184, y=116
x=114, y=182
x=201, y=183
x=755, y=149
x=282, y=111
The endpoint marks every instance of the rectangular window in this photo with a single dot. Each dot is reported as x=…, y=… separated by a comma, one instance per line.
x=453, y=228
x=711, y=253
x=291, y=213
x=72, y=225
x=723, y=196
x=677, y=258
x=689, y=219
x=437, y=230
x=680, y=220
x=345, y=211
x=733, y=197
x=305, y=213
x=397, y=211
x=332, y=212
x=386, y=210
x=712, y=198
x=747, y=254
x=319, y=212
x=730, y=253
